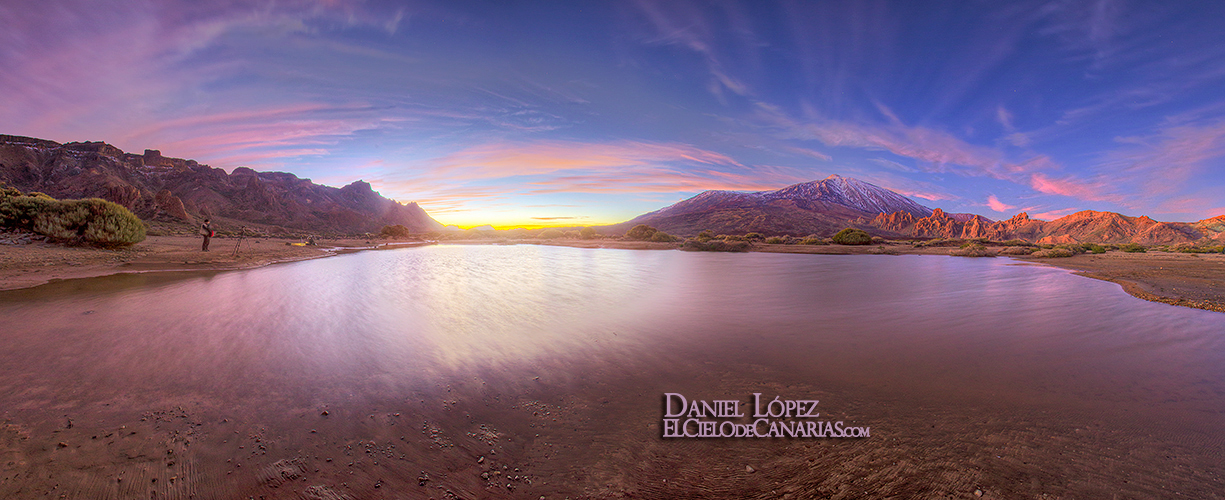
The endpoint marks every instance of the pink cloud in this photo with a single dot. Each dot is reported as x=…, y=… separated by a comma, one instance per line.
x=1075, y=188
x=998, y=205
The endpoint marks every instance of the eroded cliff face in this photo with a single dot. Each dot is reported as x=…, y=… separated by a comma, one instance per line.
x=173, y=189
x=1085, y=226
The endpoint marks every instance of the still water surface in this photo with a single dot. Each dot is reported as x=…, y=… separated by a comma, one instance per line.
x=987, y=334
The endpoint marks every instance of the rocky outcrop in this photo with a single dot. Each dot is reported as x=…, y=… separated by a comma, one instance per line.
x=156, y=187
x=1080, y=227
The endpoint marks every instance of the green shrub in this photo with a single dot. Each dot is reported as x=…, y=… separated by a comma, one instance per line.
x=396, y=231
x=715, y=245
x=1051, y=253
x=705, y=236
x=1093, y=248
x=851, y=236
x=587, y=233
x=1018, y=250
x=1132, y=248
x=662, y=237
x=972, y=249
x=1016, y=243
x=776, y=240
x=754, y=237
x=641, y=232
x=550, y=234
x=813, y=239
x=93, y=221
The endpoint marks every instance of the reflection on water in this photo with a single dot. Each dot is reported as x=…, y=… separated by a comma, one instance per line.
x=978, y=332
x=942, y=325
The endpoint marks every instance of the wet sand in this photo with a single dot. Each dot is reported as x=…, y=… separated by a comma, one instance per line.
x=1181, y=279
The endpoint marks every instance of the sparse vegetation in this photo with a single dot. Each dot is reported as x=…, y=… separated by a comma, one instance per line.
x=715, y=245
x=1051, y=253
x=852, y=236
x=1016, y=243
x=662, y=237
x=1132, y=248
x=92, y=221
x=1093, y=248
x=1018, y=250
x=754, y=237
x=813, y=239
x=776, y=240
x=972, y=249
x=884, y=250
x=396, y=231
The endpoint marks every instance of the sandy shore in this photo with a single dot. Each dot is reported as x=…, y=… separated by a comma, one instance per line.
x=37, y=263
x=1189, y=280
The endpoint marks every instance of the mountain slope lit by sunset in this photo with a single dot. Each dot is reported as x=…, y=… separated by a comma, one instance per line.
x=583, y=113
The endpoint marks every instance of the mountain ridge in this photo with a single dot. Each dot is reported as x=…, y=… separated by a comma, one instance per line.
x=156, y=187
x=825, y=206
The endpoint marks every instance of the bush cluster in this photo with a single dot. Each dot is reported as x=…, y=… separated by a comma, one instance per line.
x=396, y=231
x=972, y=249
x=643, y=232
x=92, y=221
x=851, y=236
x=1051, y=253
x=715, y=245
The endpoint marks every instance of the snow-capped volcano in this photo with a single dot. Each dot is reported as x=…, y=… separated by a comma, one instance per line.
x=809, y=207
x=850, y=193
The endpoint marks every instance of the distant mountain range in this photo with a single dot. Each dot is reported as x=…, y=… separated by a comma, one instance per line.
x=826, y=206
x=818, y=207
x=176, y=190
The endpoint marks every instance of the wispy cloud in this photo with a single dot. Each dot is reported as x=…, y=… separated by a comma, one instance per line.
x=998, y=205
x=936, y=151
x=1075, y=188
x=692, y=26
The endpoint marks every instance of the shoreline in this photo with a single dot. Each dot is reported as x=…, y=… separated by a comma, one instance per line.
x=1186, y=280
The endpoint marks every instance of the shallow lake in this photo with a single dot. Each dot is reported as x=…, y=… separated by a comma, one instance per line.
x=425, y=371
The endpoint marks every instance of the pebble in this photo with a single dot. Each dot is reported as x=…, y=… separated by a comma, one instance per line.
x=749, y=469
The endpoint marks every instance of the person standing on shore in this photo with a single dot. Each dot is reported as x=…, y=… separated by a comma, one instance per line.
x=206, y=230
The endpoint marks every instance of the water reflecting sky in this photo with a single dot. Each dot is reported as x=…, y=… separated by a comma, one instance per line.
x=922, y=326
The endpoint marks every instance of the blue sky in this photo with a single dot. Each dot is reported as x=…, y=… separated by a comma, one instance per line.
x=576, y=113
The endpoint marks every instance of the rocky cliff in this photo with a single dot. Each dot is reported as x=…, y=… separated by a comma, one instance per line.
x=172, y=189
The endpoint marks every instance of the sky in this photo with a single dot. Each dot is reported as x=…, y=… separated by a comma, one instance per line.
x=527, y=114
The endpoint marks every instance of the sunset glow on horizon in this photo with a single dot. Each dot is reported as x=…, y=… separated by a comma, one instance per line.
x=535, y=114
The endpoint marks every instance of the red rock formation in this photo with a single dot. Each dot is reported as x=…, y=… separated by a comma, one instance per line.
x=1080, y=227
